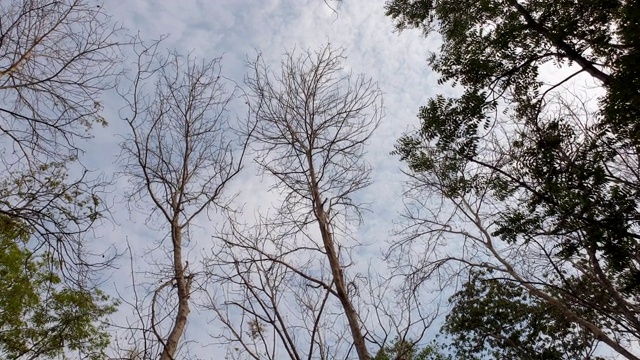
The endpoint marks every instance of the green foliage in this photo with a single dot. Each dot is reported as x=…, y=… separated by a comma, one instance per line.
x=40, y=317
x=408, y=350
x=564, y=177
x=59, y=57
x=497, y=319
x=57, y=208
x=576, y=196
x=495, y=50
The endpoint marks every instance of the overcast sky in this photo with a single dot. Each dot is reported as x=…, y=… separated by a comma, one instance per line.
x=239, y=29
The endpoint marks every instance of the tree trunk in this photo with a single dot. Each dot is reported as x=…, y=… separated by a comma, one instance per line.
x=183, y=285
x=336, y=268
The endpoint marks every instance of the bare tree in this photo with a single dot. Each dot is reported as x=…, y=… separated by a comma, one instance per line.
x=272, y=298
x=272, y=291
x=179, y=159
x=310, y=124
x=56, y=58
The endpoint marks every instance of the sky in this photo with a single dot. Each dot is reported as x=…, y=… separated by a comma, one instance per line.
x=238, y=31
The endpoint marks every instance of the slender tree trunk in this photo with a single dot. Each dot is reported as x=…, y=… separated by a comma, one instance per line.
x=180, y=160
x=336, y=268
x=183, y=285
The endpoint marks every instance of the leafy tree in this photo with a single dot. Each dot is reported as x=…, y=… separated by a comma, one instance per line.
x=39, y=316
x=57, y=58
x=407, y=350
x=497, y=318
x=544, y=186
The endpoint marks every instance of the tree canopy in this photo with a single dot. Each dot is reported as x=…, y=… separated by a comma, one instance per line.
x=40, y=317
x=498, y=319
x=408, y=350
x=546, y=177
x=57, y=58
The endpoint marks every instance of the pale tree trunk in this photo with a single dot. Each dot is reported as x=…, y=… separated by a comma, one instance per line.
x=334, y=263
x=183, y=286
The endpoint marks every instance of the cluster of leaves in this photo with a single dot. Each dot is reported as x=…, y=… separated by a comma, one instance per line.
x=500, y=62
x=57, y=208
x=402, y=349
x=40, y=317
x=582, y=192
x=496, y=318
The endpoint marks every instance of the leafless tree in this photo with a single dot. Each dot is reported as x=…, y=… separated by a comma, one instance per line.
x=310, y=123
x=272, y=298
x=272, y=291
x=56, y=58
x=179, y=157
